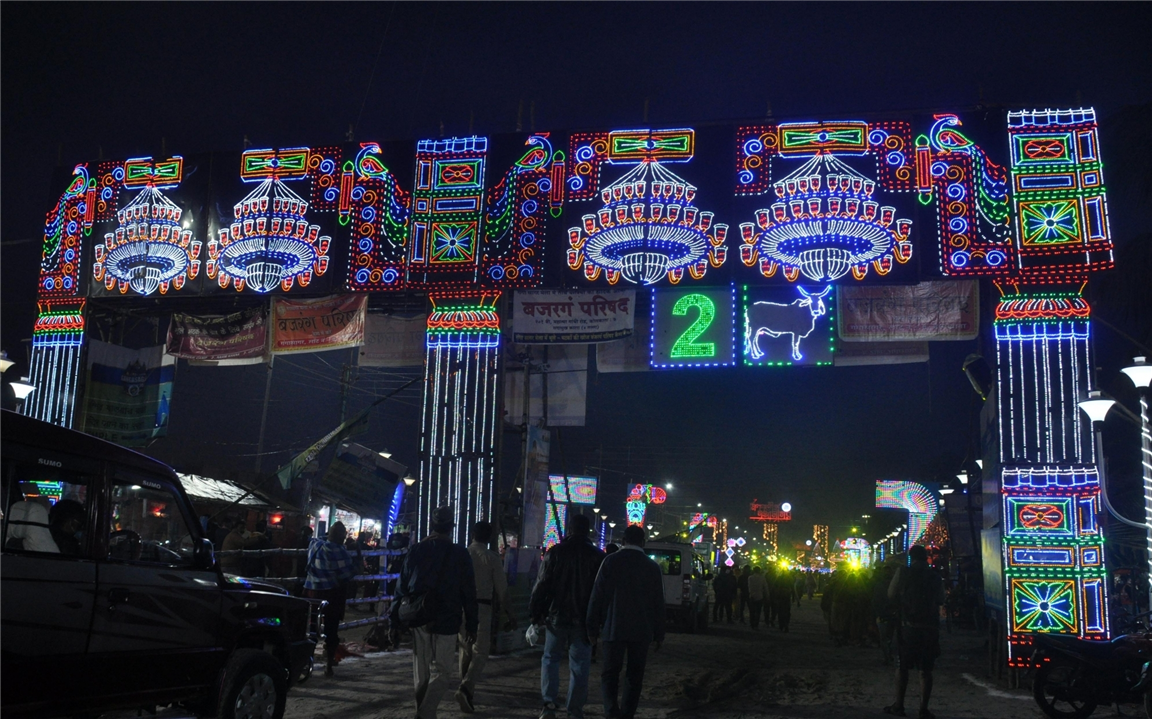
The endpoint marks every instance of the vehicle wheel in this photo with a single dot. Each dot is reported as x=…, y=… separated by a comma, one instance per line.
x=306, y=670
x=1063, y=691
x=255, y=687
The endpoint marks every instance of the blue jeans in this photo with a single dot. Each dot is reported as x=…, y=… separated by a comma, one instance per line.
x=579, y=667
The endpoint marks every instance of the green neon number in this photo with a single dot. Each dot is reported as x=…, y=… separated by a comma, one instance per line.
x=685, y=345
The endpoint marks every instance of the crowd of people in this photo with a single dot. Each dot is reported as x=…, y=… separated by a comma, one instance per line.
x=587, y=602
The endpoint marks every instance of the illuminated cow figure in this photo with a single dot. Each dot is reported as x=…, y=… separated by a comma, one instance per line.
x=775, y=320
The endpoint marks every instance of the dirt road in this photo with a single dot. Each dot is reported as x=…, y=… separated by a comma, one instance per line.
x=729, y=672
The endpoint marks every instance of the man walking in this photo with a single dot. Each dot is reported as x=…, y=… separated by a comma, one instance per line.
x=491, y=587
x=757, y=596
x=742, y=591
x=436, y=592
x=560, y=602
x=627, y=607
x=918, y=593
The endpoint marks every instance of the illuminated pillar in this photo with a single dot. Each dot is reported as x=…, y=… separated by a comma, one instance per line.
x=1053, y=546
x=57, y=341
x=459, y=422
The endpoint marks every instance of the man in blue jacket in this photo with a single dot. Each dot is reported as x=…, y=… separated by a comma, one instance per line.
x=442, y=572
x=627, y=610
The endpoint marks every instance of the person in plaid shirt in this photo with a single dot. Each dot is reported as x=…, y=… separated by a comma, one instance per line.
x=329, y=570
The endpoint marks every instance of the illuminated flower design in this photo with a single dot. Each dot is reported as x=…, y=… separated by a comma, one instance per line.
x=454, y=242
x=1050, y=222
x=151, y=249
x=824, y=225
x=647, y=229
x=1044, y=606
x=271, y=244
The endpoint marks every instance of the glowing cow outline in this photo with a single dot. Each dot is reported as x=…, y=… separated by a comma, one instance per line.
x=813, y=306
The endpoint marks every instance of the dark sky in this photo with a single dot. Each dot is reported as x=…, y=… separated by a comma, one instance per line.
x=123, y=80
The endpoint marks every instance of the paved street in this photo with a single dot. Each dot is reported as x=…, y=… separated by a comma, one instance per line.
x=730, y=672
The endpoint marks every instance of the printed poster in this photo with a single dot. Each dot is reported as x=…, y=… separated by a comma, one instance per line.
x=237, y=338
x=394, y=341
x=129, y=393
x=317, y=325
x=572, y=317
x=937, y=310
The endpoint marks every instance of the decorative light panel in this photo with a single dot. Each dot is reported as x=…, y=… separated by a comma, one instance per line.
x=556, y=519
x=971, y=196
x=825, y=221
x=912, y=497
x=788, y=325
x=67, y=223
x=573, y=490
x=57, y=341
x=647, y=227
x=464, y=322
x=377, y=209
x=639, y=497
x=1060, y=210
x=693, y=327
x=151, y=248
x=271, y=244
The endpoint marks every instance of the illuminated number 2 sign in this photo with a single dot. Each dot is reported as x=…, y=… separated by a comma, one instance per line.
x=693, y=327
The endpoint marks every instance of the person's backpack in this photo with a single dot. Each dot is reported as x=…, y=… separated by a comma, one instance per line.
x=918, y=597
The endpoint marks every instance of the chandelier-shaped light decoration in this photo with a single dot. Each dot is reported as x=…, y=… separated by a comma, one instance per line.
x=647, y=229
x=270, y=243
x=150, y=250
x=825, y=224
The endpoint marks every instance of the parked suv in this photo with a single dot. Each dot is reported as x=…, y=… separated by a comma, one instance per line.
x=685, y=582
x=111, y=598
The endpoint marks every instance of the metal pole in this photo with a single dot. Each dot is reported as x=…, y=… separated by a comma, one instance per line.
x=264, y=414
x=1146, y=465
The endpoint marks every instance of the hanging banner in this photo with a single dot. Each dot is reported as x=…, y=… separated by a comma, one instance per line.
x=631, y=354
x=867, y=353
x=326, y=323
x=939, y=310
x=566, y=375
x=239, y=336
x=394, y=341
x=536, y=486
x=575, y=317
x=129, y=392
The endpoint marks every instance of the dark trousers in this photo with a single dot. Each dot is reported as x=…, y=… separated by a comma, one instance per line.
x=754, y=613
x=723, y=608
x=743, y=602
x=333, y=614
x=615, y=706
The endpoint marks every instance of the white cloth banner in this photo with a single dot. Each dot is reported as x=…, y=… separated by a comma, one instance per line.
x=567, y=377
x=936, y=310
x=393, y=341
x=572, y=316
x=631, y=354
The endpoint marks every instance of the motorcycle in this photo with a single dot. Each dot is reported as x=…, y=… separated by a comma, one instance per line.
x=1074, y=676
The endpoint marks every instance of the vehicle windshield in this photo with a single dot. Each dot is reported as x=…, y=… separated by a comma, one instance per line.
x=668, y=559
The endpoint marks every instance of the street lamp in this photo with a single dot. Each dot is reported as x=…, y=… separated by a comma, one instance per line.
x=22, y=389
x=5, y=363
x=1141, y=375
x=409, y=480
x=386, y=454
x=1096, y=407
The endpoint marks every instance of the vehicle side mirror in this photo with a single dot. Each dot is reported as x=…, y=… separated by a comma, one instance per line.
x=204, y=555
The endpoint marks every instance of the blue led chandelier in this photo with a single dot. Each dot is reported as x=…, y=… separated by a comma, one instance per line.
x=824, y=225
x=270, y=244
x=647, y=229
x=150, y=249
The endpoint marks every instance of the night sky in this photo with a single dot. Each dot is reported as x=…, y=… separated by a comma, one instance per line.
x=106, y=80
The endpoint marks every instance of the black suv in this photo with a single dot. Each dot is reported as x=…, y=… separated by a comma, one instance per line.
x=111, y=597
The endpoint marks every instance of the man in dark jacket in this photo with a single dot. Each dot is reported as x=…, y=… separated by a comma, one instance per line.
x=560, y=602
x=627, y=608
x=442, y=572
x=742, y=592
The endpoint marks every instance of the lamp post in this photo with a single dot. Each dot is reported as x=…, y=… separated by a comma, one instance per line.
x=1097, y=407
x=1140, y=372
x=22, y=389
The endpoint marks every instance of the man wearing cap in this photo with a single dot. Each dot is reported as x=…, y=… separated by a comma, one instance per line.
x=441, y=573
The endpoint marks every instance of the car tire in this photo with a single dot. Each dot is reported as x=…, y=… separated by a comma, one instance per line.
x=255, y=687
x=306, y=670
